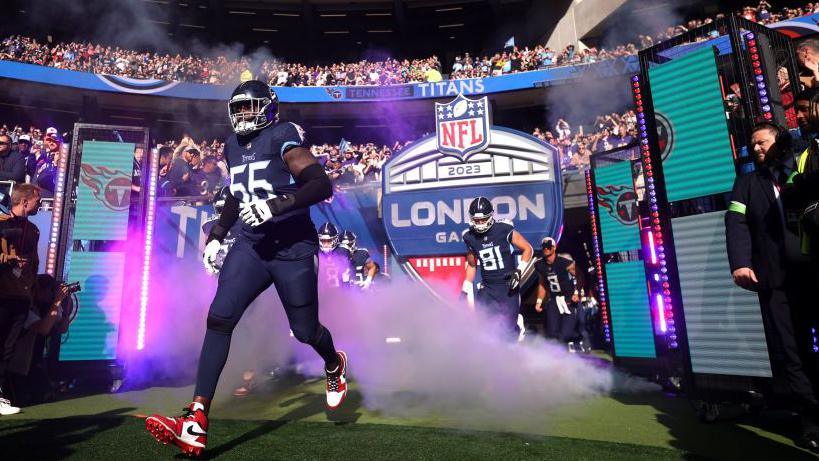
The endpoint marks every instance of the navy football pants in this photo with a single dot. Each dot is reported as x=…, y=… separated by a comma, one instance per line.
x=244, y=276
x=495, y=301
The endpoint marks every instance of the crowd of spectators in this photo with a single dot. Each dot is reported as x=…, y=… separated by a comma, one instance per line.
x=102, y=59
x=191, y=168
x=576, y=145
x=188, y=168
x=31, y=156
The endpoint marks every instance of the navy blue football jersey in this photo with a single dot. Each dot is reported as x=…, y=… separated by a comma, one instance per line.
x=333, y=265
x=258, y=171
x=556, y=276
x=358, y=264
x=493, y=249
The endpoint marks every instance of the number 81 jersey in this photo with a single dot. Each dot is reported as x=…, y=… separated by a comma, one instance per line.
x=493, y=249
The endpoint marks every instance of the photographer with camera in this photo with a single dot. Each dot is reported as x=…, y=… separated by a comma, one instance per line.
x=18, y=273
x=48, y=318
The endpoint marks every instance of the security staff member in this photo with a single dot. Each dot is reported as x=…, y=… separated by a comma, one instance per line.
x=761, y=253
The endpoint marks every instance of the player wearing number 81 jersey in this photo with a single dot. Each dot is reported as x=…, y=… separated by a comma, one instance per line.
x=491, y=244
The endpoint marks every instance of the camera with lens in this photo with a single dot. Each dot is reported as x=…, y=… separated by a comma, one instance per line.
x=73, y=287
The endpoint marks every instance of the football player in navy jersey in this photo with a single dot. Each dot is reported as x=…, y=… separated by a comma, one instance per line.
x=230, y=236
x=490, y=243
x=334, y=258
x=274, y=180
x=362, y=268
x=556, y=274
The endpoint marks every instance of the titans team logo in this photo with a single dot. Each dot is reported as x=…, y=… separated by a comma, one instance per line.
x=620, y=202
x=136, y=85
x=334, y=93
x=111, y=187
x=665, y=135
x=463, y=126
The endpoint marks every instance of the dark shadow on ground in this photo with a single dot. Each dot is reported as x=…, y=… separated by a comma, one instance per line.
x=48, y=439
x=724, y=439
x=302, y=406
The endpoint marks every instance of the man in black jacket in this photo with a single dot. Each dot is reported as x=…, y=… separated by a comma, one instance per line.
x=764, y=256
x=18, y=272
x=12, y=164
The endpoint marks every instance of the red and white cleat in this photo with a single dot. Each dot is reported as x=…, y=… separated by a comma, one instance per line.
x=337, y=383
x=188, y=432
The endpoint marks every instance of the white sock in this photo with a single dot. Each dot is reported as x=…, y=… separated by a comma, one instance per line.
x=197, y=406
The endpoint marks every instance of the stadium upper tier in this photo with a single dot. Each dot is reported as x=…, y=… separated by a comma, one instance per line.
x=423, y=75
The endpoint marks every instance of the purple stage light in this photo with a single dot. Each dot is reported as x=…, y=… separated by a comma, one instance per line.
x=146, y=263
x=651, y=249
x=661, y=312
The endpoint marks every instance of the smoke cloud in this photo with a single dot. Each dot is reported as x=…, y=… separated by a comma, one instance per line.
x=449, y=363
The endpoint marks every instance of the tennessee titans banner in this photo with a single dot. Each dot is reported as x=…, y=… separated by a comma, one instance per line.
x=179, y=230
x=617, y=206
x=798, y=27
x=315, y=94
x=104, y=192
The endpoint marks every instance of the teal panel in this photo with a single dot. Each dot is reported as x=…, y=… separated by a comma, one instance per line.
x=93, y=334
x=617, y=206
x=104, y=192
x=630, y=310
x=687, y=98
x=726, y=335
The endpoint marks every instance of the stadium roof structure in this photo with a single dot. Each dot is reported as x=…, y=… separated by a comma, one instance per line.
x=312, y=31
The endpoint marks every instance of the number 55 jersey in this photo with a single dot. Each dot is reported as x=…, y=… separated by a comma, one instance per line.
x=258, y=171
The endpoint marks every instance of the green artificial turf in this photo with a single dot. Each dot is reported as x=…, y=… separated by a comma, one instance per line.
x=121, y=438
x=287, y=420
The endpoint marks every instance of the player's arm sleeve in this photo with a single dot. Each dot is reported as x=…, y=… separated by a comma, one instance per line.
x=737, y=232
x=230, y=213
x=314, y=184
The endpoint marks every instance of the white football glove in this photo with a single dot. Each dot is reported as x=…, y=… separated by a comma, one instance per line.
x=562, y=307
x=365, y=284
x=211, y=250
x=468, y=291
x=255, y=213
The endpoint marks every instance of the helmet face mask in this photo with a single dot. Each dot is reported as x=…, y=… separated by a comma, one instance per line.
x=252, y=106
x=348, y=240
x=328, y=238
x=327, y=244
x=481, y=215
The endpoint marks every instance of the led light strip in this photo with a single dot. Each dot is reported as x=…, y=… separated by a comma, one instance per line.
x=657, y=263
x=57, y=212
x=762, y=95
x=601, y=288
x=146, y=262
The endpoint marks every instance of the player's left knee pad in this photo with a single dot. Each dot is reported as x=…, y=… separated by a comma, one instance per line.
x=221, y=325
x=311, y=339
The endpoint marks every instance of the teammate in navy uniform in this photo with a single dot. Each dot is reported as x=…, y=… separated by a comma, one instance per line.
x=362, y=268
x=555, y=275
x=274, y=181
x=230, y=237
x=490, y=244
x=334, y=259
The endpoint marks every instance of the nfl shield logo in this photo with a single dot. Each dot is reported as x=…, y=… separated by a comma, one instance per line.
x=463, y=126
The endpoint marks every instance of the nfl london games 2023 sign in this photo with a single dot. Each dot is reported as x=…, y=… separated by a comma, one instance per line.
x=427, y=188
